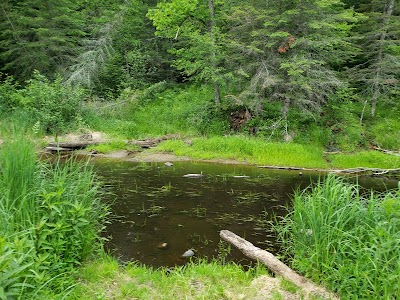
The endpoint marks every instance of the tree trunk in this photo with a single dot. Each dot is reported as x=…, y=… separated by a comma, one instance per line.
x=387, y=13
x=217, y=97
x=275, y=265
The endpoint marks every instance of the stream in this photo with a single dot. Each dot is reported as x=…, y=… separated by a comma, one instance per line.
x=158, y=214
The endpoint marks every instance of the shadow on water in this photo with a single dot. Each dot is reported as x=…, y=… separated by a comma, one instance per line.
x=158, y=214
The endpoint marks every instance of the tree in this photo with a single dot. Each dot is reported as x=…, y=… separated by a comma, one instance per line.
x=294, y=49
x=121, y=50
x=192, y=25
x=39, y=35
x=378, y=67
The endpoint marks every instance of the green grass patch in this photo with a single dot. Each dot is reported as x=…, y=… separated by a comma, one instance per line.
x=200, y=280
x=366, y=159
x=248, y=149
x=346, y=240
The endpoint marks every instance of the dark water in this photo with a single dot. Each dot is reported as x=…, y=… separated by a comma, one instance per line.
x=155, y=204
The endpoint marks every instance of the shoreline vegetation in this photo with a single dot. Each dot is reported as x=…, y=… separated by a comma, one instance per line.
x=40, y=259
x=233, y=149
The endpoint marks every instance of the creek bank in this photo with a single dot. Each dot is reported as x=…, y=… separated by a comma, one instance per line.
x=146, y=152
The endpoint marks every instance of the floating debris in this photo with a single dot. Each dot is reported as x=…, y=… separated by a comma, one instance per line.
x=162, y=246
x=188, y=253
x=194, y=175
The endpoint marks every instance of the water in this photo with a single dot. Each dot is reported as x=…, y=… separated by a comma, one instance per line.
x=155, y=205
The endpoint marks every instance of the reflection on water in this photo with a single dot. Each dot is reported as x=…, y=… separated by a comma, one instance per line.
x=158, y=214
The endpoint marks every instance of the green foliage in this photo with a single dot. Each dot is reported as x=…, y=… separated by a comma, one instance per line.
x=342, y=117
x=288, y=50
x=376, y=70
x=51, y=218
x=348, y=241
x=9, y=98
x=198, y=50
x=55, y=106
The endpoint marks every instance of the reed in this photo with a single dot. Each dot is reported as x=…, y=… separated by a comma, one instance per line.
x=345, y=239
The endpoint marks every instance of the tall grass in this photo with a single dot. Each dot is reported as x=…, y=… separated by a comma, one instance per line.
x=50, y=220
x=347, y=240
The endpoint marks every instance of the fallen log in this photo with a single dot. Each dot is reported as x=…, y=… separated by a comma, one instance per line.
x=58, y=149
x=396, y=153
x=72, y=145
x=369, y=171
x=276, y=266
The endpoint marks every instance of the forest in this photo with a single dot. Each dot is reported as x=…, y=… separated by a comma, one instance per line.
x=322, y=72
x=290, y=83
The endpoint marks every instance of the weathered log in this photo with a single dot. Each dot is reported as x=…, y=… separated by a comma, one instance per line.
x=356, y=171
x=276, y=266
x=72, y=145
x=370, y=171
x=58, y=149
x=292, y=168
x=390, y=152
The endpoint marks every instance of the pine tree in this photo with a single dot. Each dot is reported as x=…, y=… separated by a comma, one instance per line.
x=293, y=48
x=378, y=68
x=39, y=35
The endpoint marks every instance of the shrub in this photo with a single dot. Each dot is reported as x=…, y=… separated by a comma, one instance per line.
x=54, y=105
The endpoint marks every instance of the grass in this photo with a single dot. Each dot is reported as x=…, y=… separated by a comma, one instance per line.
x=201, y=280
x=248, y=149
x=346, y=240
x=366, y=159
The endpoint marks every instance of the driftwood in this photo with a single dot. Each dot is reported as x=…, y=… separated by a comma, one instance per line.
x=72, y=145
x=276, y=266
x=370, y=171
x=58, y=149
x=396, y=153
x=352, y=171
